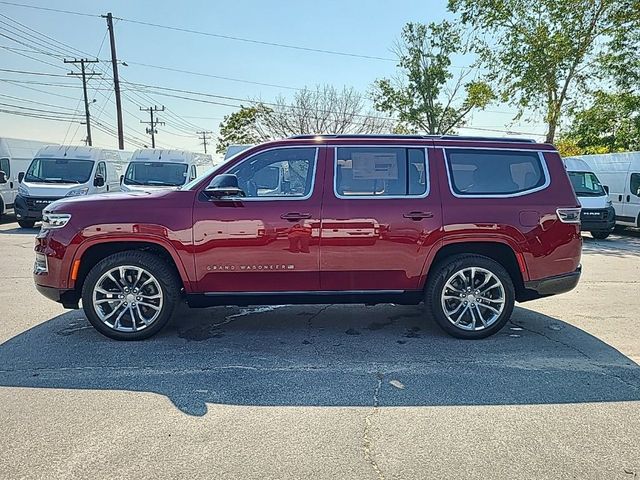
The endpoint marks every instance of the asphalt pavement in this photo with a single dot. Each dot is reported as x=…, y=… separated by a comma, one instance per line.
x=325, y=391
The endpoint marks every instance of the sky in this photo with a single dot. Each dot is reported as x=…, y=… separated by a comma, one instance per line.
x=365, y=28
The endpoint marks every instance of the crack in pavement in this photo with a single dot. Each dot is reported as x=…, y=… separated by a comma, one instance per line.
x=310, y=327
x=366, y=436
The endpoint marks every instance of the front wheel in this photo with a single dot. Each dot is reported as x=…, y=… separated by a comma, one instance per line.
x=26, y=223
x=130, y=295
x=470, y=296
x=600, y=234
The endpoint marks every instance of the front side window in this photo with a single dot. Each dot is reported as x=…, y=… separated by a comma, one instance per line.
x=635, y=184
x=494, y=172
x=282, y=172
x=59, y=170
x=5, y=166
x=380, y=172
x=102, y=170
x=586, y=184
x=161, y=174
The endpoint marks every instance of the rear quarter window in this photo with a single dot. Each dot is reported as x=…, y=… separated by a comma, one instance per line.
x=494, y=172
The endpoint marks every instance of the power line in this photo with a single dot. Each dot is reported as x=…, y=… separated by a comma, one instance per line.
x=57, y=10
x=153, y=122
x=83, y=74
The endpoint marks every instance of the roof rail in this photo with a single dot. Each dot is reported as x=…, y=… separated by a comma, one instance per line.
x=419, y=137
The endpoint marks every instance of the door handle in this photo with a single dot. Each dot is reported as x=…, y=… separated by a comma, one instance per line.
x=10, y=184
x=619, y=198
x=628, y=198
x=418, y=215
x=295, y=216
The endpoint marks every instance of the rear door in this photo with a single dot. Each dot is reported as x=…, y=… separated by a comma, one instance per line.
x=268, y=240
x=380, y=213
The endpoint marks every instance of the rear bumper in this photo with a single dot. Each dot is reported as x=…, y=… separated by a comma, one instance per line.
x=545, y=287
x=68, y=298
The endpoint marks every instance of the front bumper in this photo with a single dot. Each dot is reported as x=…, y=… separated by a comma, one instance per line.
x=597, y=219
x=30, y=208
x=548, y=286
x=68, y=298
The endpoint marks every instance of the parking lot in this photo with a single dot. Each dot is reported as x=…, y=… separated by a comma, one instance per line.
x=326, y=391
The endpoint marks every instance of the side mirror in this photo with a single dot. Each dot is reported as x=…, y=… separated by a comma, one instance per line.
x=225, y=185
x=98, y=181
x=121, y=179
x=3, y=177
x=606, y=189
x=20, y=177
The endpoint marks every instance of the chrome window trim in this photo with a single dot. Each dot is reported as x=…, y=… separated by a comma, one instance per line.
x=543, y=163
x=279, y=199
x=381, y=197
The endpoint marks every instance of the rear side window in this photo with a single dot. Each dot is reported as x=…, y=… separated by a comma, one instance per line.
x=380, y=172
x=494, y=172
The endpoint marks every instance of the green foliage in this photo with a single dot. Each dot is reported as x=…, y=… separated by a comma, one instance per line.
x=426, y=96
x=539, y=54
x=241, y=127
x=610, y=124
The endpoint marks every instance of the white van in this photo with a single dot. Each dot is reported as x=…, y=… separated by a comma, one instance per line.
x=234, y=149
x=15, y=156
x=620, y=176
x=156, y=169
x=598, y=215
x=66, y=171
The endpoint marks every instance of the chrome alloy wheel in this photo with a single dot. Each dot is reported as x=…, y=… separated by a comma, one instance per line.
x=473, y=298
x=127, y=298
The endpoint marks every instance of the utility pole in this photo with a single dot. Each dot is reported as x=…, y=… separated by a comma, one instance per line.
x=84, y=74
x=205, y=136
x=116, y=80
x=151, y=129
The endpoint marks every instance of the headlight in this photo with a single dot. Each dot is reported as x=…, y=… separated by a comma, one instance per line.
x=54, y=220
x=22, y=191
x=77, y=192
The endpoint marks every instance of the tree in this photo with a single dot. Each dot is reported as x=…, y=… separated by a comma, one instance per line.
x=610, y=124
x=540, y=53
x=425, y=96
x=242, y=127
x=324, y=109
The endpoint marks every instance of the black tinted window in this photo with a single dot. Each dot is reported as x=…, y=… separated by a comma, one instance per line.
x=495, y=172
x=635, y=184
x=380, y=171
x=5, y=167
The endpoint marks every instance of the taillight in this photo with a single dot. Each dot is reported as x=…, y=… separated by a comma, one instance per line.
x=569, y=215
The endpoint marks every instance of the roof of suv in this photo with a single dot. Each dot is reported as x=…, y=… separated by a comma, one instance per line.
x=416, y=137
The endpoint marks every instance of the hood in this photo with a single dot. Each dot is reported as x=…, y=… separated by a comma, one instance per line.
x=51, y=190
x=100, y=200
x=147, y=188
x=594, y=202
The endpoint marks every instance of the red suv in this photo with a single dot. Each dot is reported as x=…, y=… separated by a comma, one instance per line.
x=468, y=225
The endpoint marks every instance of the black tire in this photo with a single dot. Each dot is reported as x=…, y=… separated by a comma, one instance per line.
x=436, y=285
x=600, y=234
x=156, y=266
x=26, y=223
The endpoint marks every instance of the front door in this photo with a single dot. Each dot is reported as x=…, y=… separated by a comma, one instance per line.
x=380, y=211
x=632, y=199
x=266, y=241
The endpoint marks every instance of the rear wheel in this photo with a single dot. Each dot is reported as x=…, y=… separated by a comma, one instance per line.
x=470, y=296
x=600, y=234
x=130, y=295
x=26, y=223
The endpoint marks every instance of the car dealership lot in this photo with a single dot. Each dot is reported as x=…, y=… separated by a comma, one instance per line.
x=325, y=391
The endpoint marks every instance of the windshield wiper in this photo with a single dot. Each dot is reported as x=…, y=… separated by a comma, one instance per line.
x=128, y=181
x=162, y=184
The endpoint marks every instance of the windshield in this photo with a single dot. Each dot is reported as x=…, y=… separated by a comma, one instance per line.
x=59, y=170
x=586, y=184
x=156, y=174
